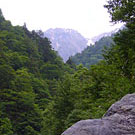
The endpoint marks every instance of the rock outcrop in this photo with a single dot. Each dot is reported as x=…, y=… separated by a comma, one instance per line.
x=119, y=120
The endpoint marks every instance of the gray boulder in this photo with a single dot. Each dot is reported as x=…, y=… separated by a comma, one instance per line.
x=119, y=120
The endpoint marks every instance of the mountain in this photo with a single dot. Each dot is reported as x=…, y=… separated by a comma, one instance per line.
x=66, y=42
x=93, y=53
x=105, y=34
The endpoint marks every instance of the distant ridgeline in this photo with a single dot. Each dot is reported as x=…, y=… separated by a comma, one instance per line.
x=93, y=53
x=66, y=42
x=42, y=95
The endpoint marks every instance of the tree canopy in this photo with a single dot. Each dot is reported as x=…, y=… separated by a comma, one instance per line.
x=121, y=10
x=41, y=95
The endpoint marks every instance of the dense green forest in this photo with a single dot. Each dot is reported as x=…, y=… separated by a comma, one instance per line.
x=40, y=95
x=93, y=53
x=29, y=70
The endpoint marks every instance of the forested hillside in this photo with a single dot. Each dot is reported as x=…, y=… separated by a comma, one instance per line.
x=93, y=53
x=29, y=69
x=40, y=95
x=88, y=93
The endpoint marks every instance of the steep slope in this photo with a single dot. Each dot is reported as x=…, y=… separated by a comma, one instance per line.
x=28, y=68
x=66, y=42
x=92, y=54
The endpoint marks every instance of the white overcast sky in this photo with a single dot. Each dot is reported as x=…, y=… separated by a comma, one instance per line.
x=88, y=17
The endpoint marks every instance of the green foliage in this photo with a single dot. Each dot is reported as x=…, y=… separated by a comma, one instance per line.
x=85, y=94
x=93, y=53
x=88, y=93
x=41, y=89
x=123, y=53
x=28, y=66
x=1, y=16
x=39, y=94
x=71, y=63
x=5, y=126
x=7, y=73
x=121, y=10
x=50, y=71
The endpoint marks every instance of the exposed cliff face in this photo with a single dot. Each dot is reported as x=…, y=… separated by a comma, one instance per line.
x=119, y=120
x=67, y=42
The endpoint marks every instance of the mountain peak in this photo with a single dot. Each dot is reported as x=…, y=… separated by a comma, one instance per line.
x=67, y=42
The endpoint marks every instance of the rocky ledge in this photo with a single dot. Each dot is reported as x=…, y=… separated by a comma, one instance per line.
x=119, y=120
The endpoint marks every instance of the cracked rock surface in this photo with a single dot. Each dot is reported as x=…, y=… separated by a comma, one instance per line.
x=119, y=120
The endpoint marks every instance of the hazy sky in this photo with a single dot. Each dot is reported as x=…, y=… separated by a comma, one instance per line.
x=86, y=16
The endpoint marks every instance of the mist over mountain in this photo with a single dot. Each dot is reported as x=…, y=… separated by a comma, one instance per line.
x=66, y=42
x=105, y=34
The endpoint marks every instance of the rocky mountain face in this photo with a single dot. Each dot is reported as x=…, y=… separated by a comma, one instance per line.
x=119, y=120
x=66, y=42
